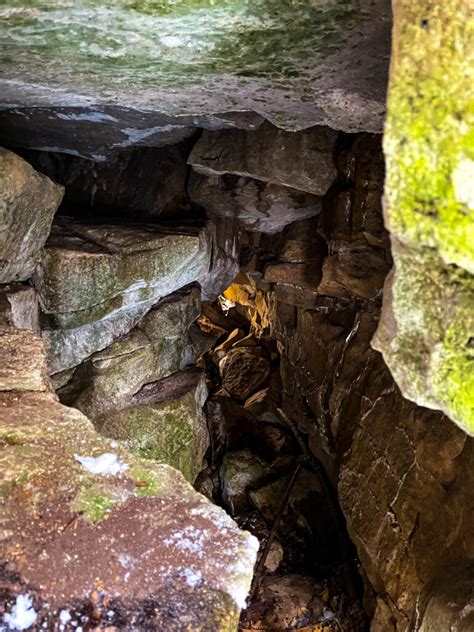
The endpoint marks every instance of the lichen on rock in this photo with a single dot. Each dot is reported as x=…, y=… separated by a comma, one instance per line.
x=427, y=329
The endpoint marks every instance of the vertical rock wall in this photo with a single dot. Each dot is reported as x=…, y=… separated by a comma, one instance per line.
x=427, y=329
x=403, y=473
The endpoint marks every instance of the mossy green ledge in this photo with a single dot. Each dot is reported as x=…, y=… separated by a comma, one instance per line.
x=86, y=526
x=426, y=332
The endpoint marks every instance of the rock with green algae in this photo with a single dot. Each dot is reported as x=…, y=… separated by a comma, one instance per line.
x=28, y=202
x=165, y=422
x=147, y=72
x=426, y=332
x=95, y=282
x=86, y=527
x=240, y=471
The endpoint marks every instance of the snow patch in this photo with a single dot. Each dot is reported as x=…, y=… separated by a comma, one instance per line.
x=126, y=560
x=64, y=617
x=23, y=615
x=106, y=464
x=192, y=577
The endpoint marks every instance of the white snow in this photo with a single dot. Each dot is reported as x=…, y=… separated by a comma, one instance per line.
x=23, y=615
x=64, y=617
x=126, y=560
x=105, y=464
x=192, y=577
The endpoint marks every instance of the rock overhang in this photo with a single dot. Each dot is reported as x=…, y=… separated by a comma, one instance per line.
x=127, y=73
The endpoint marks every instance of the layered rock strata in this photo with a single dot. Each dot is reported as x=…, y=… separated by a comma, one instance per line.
x=95, y=282
x=394, y=464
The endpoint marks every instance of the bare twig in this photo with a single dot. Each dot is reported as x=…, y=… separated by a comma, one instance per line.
x=281, y=508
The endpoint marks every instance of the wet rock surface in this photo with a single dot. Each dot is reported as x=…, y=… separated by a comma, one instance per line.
x=84, y=521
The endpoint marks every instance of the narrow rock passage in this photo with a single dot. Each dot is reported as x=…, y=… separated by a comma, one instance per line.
x=263, y=474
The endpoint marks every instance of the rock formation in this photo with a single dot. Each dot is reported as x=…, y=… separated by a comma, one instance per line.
x=198, y=289
x=427, y=328
x=84, y=522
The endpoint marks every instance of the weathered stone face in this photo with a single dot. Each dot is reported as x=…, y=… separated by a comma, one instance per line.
x=300, y=160
x=170, y=430
x=298, y=64
x=23, y=365
x=28, y=203
x=259, y=206
x=393, y=463
x=96, y=282
x=427, y=324
x=19, y=306
x=106, y=518
x=158, y=346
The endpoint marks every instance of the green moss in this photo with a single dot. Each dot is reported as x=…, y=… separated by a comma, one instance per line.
x=10, y=486
x=429, y=147
x=12, y=438
x=148, y=482
x=94, y=503
x=164, y=433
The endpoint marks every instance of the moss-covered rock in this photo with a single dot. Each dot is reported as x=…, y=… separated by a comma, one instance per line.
x=173, y=431
x=87, y=527
x=427, y=329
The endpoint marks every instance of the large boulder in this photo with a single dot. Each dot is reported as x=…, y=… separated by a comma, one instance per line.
x=300, y=160
x=165, y=422
x=28, y=203
x=427, y=327
x=157, y=347
x=95, y=282
x=162, y=68
x=84, y=523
